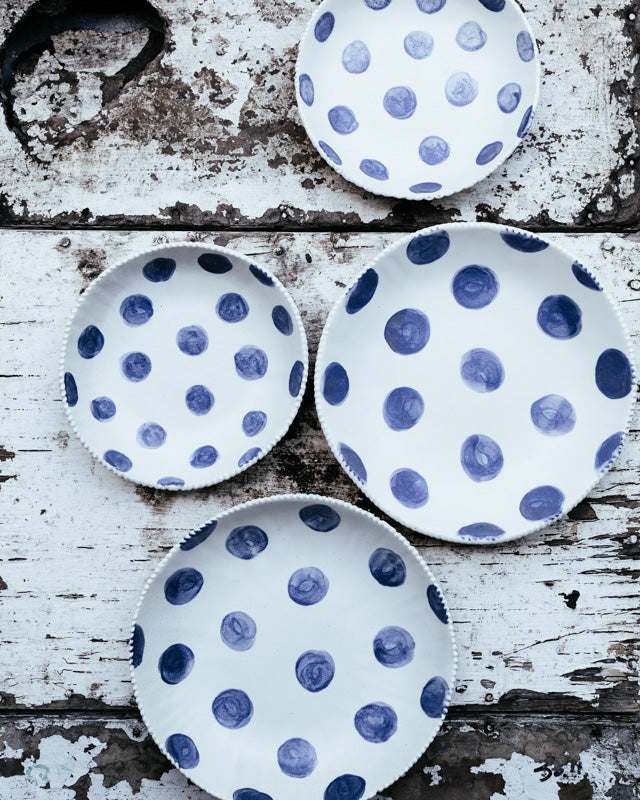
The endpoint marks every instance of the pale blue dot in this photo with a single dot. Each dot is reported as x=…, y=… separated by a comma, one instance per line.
x=437, y=604
x=250, y=794
x=254, y=452
x=254, y=422
x=70, y=389
x=182, y=586
x=335, y=386
x=90, y=342
x=260, y=275
x=527, y=121
x=400, y=102
x=584, y=277
x=553, y=415
x=542, y=503
x=426, y=187
x=203, y=457
x=232, y=709
x=345, y=787
x=295, y=378
x=509, y=97
x=192, y=340
x=376, y=722
x=324, y=26
x=315, y=670
x=353, y=462
x=246, y=542
x=482, y=370
x=471, y=36
x=182, y=749
x=232, y=307
x=560, y=317
x=282, y=320
x=342, y=120
x=151, y=435
x=480, y=530
x=319, y=517
x=238, y=631
x=387, y=567
x=374, y=169
x=215, y=263
x=614, y=376
x=493, y=5
x=330, y=153
x=393, y=647
x=434, y=695
x=362, y=291
x=403, y=408
x=609, y=451
x=176, y=663
x=377, y=5
x=488, y=153
x=103, y=409
x=430, y=6
x=481, y=458
x=137, y=646
x=251, y=363
x=307, y=92
x=418, y=44
x=159, y=270
x=434, y=150
x=308, y=586
x=170, y=481
x=136, y=310
x=409, y=488
x=523, y=242
x=196, y=538
x=297, y=758
x=524, y=43
x=461, y=89
x=356, y=57
x=199, y=400
x=135, y=366
x=475, y=286
x=118, y=460
x=428, y=247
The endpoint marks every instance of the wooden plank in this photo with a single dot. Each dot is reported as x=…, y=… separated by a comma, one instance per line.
x=208, y=135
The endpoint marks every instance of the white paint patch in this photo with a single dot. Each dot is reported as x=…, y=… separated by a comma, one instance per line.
x=9, y=752
x=61, y=762
x=521, y=780
x=434, y=774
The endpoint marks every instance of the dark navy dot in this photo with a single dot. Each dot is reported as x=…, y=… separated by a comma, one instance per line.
x=260, y=275
x=307, y=92
x=199, y=400
x=176, y=663
x=526, y=123
x=199, y=536
x=387, y=567
x=461, y=89
x=560, y=317
x=151, y=435
x=436, y=602
x=509, y=97
x=553, y=415
x=192, y=340
x=246, y=542
x=376, y=722
x=245, y=458
x=136, y=310
x=543, y=502
x=215, y=263
x=324, y=26
x=393, y=647
x=295, y=378
x=584, y=277
x=481, y=458
x=425, y=188
x=135, y=366
x=297, y=758
x=232, y=307
x=254, y=422
x=70, y=389
x=232, y=709
x=90, y=342
x=609, y=451
x=346, y=787
x=475, y=286
x=435, y=693
x=353, y=462
x=614, y=375
x=356, y=57
x=181, y=587
x=182, y=750
x=402, y=409
x=118, y=460
x=315, y=670
x=250, y=794
x=362, y=291
x=409, y=488
x=238, y=631
x=418, y=44
x=251, y=363
x=400, y=102
x=335, y=384
x=524, y=43
x=374, y=169
x=282, y=320
x=170, y=481
x=330, y=153
x=377, y=5
x=434, y=150
x=430, y=6
x=493, y=5
x=523, y=242
x=480, y=530
x=159, y=269
x=482, y=370
x=488, y=153
x=471, y=36
x=319, y=517
x=308, y=586
x=343, y=120
x=137, y=646
x=103, y=409
x=203, y=457
x=428, y=247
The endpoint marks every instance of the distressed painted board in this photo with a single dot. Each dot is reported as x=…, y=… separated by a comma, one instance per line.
x=547, y=623
x=199, y=128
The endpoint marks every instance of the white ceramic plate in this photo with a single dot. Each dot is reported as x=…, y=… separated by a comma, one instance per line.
x=183, y=365
x=417, y=98
x=475, y=382
x=294, y=647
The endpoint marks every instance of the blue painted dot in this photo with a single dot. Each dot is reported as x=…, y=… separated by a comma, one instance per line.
x=482, y=370
x=343, y=120
x=353, y=462
x=319, y=517
x=335, y=384
x=362, y=291
x=553, y=415
x=480, y=530
x=527, y=121
x=428, y=247
x=481, y=458
x=159, y=270
x=376, y=722
x=488, y=153
x=509, y=97
x=103, y=409
x=203, y=457
x=245, y=458
x=436, y=603
x=297, y=758
x=215, y=263
x=260, y=275
x=181, y=587
x=199, y=536
x=374, y=169
x=282, y=320
x=232, y=307
x=254, y=422
x=524, y=44
x=475, y=286
x=345, y=787
x=308, y=586
x=377, y=5
x=356, y=57
x=135, y=366
x=614, y=376
x=403, y=408
x=324, y=26
x=136, y=309
x=246, y=542
x=170, y=480
x=176, y=663
x=118, y=460
x=471, y=37
x=315, y=670
x=330, y=153
x=400, y=102
x=609, y=451
x=430, y=6
x=192, y=340
x=523, y=242
x=199, y=400
x=584, y=277
x=295, y=378
x=70, y=389
x=90, y=342
x=250, y=794
x=418, y=44
x=182, y=749
x=151, y=435
x=560, y=317
x=238, y=631
x=434, y=150
x=461, y=89
x=426, y=187
x=387, y=567
x=394, y=647
x=434, y=695
x=251, y=363
x=543, y=502
x=307, y=92
x=232, y=709
x=493, y=5
x=409, y=488
x=137, y=646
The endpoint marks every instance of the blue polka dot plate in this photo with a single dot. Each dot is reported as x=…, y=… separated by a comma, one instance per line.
x=183, y=365
x=417, y=98
x=294, y=647
x=475, y=381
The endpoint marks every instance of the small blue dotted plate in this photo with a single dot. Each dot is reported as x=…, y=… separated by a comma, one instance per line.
x=183, y=365
x=417, y=98
x=294, y=647
x=475, y=382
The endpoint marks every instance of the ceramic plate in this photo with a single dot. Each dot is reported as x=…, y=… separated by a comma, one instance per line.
x=294, y=647
x=475, y=382
x=417, y=98
x=184, y=365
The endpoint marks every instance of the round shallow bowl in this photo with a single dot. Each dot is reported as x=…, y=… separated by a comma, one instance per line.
x=296, y=646
x=417, y=98
x=475, y=382
x=183, y=365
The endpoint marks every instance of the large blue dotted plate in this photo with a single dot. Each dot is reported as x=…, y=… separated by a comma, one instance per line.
x=417, y=98
x=474, y=381
x=184, y=365
x=294, y=647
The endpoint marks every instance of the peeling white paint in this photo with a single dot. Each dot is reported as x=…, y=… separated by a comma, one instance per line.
x=61, y=762
x=433, y=773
